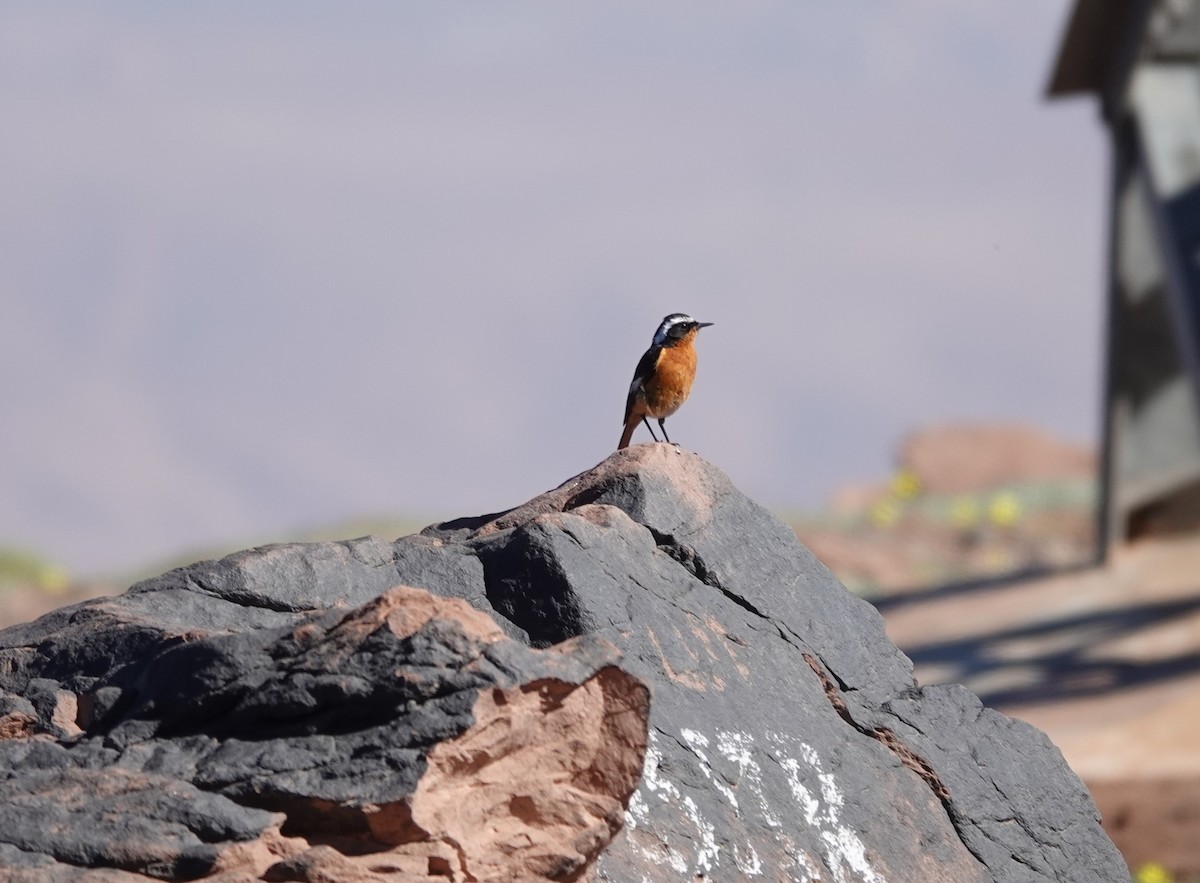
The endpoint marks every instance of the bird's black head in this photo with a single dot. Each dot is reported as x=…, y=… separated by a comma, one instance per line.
x=676, y=327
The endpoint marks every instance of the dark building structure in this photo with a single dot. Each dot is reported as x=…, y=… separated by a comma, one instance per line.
x=1141, y=59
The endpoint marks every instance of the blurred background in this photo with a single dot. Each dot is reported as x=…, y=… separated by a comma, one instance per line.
x=298, y=271
x=274, y=267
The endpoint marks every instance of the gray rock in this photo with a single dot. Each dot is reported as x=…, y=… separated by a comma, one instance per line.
x=787, y=739
x=248, y=753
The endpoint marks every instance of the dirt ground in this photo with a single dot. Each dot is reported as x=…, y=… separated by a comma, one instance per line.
x=1106, y=661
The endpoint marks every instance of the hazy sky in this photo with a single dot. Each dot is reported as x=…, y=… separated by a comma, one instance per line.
x=268, y=266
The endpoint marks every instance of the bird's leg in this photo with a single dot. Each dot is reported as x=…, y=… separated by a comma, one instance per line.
x=651, y=428
x=662, y=424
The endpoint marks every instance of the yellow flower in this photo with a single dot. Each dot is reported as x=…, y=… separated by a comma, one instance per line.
x=53, y=579
x=1152, y=872
x=906, y=484
x=1004, y=509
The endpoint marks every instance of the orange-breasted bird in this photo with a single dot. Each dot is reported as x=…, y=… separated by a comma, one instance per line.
x=664, y=376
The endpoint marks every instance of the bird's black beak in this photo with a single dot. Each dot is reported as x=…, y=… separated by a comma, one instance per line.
x=703, y=324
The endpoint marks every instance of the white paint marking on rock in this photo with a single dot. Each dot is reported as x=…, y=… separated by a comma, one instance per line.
x=843, y=848
x=806, y=866
x=658, y=784
x=698, y=742
x=708, y=853
x=749, y=863
x=638, y=814
x=816, y=793
x=735, y=747
x=808, y=804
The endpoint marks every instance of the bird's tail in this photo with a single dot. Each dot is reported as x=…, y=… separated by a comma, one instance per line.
x=627, y=434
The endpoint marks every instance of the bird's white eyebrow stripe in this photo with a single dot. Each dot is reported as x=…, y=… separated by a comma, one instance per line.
x=668, y=323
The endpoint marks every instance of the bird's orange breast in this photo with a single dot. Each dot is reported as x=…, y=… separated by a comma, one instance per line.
x=671, y=382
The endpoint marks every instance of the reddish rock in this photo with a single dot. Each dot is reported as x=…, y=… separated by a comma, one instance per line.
x=960, y=459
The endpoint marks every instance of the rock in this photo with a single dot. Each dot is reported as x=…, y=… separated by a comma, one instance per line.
x=341, y=733
x=963, y=459
x=968, y=502
x=364, y=743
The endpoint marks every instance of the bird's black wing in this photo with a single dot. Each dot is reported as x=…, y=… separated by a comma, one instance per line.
x=645, y=368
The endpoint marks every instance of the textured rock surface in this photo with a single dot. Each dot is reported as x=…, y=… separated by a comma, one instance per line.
x=787, y=739
x=406, y=738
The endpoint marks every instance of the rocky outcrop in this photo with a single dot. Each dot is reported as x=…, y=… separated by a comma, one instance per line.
x=407, y=738
x=967, y=503
x=967, y=458
x=286, y=713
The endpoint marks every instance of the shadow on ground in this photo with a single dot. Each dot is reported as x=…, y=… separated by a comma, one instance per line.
x=1057, y=658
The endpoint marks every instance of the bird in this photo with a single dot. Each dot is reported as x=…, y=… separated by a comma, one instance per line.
x=664, y=376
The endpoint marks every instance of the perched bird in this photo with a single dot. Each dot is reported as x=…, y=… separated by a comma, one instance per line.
x=664, y=376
